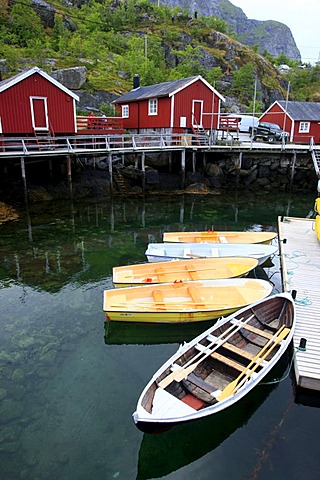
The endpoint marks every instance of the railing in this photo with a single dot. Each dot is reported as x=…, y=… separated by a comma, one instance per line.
x=104, y=125
x=12, y=147
x=315, y=157
x=229, y=123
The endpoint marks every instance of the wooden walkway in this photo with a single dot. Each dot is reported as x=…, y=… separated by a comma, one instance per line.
x=300, y=268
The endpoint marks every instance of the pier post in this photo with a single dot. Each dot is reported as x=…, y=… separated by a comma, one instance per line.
x=143, y=156
x=136, y=160
x=238, y=168
x=69, y=175
x=183, y=168
x=204, y=160
x=294, y=159
x=110, y=171
x=170, y=162
x=50, y=168
x=194, y=160
x=24, y=180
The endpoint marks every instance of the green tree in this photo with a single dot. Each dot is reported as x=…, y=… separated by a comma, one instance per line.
x=243, y=82
x=26, y=24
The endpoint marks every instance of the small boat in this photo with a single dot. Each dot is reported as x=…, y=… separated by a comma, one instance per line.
x=219, y=366
x=211, y=236
x=159, y=252
x=185, y=270
x=182, y=301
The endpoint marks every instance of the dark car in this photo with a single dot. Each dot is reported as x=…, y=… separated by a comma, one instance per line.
x=270, y=132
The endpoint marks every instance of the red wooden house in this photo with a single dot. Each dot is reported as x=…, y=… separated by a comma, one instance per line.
x=33, y=103
x=177, y=106
x=300, y=119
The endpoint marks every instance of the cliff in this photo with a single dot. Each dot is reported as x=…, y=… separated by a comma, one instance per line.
x=272, y=36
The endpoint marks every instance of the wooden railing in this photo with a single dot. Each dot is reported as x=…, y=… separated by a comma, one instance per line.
x=100, y=125
x=229, y=123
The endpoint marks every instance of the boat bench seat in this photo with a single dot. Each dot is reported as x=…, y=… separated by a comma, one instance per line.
x=227, y=361
x=192, y=272
x=195, y=296
x=158, y=299
x=161, y=274
x=255, y=330
x=202, y=384
x=238, y=351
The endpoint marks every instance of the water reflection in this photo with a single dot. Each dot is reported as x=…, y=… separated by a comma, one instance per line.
x=165, y=453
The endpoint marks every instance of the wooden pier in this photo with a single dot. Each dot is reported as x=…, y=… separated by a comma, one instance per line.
x=300, y=268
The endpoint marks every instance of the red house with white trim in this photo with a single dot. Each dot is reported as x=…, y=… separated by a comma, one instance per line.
x=176, y=106
x=33, y=103
x=300, y=119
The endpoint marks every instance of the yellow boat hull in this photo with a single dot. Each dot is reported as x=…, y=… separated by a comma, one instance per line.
x=182, y=302
x=317, y=226
x=220, y=237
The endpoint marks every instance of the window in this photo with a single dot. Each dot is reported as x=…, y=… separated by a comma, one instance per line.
x=153, y=106
x=125, y=111
x=304, y=127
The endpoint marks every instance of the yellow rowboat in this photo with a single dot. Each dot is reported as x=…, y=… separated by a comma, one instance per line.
x=183, y=301
x=219, y=237
x=182, y=270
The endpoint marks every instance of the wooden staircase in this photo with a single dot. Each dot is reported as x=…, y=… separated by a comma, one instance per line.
x=45, y=140
x=120, y=182
x=316, y=161
x=200, y=135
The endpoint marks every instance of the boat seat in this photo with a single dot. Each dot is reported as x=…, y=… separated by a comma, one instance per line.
x=255, y=330
x=223, y=240
x=161, y=274
x=237, y=350
x=192, y=272
x=214, y=252
x=227, y=361
x=196, y=298
x=158, y=299
x=198, y=382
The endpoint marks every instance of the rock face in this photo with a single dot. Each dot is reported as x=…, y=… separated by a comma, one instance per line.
x=45, y=11
x=72, y=78
x=274, y=37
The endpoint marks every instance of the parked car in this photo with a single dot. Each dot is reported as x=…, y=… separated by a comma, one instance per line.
x=270, y=132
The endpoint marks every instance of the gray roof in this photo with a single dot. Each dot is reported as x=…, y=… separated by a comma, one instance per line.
x=308, y=111
x=155, y=91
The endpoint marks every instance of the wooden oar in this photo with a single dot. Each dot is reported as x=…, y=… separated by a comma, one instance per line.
x=183, y=371
x=269, y=346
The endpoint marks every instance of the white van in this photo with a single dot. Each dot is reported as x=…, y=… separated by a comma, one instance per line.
x=246, y=123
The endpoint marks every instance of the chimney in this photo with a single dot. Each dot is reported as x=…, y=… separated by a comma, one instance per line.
x=136, y=81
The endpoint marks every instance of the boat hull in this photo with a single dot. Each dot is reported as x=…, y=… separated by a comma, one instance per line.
x=182, y=270
x=182, y=302
x=162, y=252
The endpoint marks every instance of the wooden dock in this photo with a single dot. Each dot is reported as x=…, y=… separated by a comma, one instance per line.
x=300, y=268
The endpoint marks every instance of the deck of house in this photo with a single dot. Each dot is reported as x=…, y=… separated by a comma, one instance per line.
x=300, y=268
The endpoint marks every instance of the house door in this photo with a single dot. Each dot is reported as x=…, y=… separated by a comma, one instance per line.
x=39, y=113
x=197, y=109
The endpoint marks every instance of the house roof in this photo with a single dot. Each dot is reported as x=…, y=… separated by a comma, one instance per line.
x=166, y=89
x=9, y=82
x=309, y=111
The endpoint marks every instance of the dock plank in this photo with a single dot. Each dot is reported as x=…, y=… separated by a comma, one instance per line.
x=300, y=271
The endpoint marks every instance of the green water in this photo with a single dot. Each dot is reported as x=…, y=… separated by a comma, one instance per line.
x=69, y=383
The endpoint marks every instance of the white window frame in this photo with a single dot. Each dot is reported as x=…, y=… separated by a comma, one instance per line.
x=125, y=111
x=304, y=127
x=153, y=106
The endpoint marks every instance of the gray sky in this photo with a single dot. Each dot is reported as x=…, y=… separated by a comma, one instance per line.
x=303, y=19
